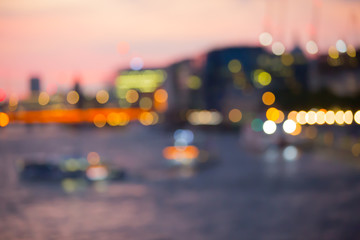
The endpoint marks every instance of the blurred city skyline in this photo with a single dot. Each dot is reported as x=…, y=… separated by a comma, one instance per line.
x=62, y=40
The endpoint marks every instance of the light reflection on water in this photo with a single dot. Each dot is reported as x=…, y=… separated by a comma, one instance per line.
x=280, y=160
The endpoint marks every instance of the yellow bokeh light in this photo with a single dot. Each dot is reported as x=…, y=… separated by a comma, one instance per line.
x=43, y=98
x=339, y=117
x=160, y=96
x=234, y=66
x=235, y=115
x=124, y=119
x=292, y=115
x=102, y=96
x=351, y=51
x=264, y=78
x=145, y=103
x=287, y=59
x=310, y=117
x=155, y=118
x=13, y=101
x=113, y=119
x=356, y=149
x=268, y=98
x=281, y=117
x=348, y=117
x=301, y=117
x=72, y=97
x=320, y=117
x=100, y=120
x=333, y=53
x=357, y=117
x=272, y=114
x=4, y=119
x=297, y=130
x=132, y=96
x=330, y=117
x=194, y=82
x=146, y=118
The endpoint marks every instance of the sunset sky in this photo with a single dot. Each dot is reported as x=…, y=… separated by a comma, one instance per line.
x=58, y=40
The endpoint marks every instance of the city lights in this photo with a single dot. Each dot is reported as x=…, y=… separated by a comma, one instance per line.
x=311, y=47
x=278, y=48
x=4, y=119
x=269, y=127
x=194, y=82
x=205, y=117
x=235, y=115
x=132, y=96
x=265, y=39
x=289, y=126
x=72, y=97
x=234, y=66
x=43, y=98
x=341, y=46
x=136, y=63
x=102, y=96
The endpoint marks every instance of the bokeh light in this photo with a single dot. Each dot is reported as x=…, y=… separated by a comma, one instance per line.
x=351, y=51
x=269, y=127
x=235, y=115
x=355, y=149
x=278, y=48
x=99, y=120
x=234, y=66
x=339, y=117
x=290, y=153
x=93, y=158
x=161, y=95
x=268, y=98
x=4, y=119
x=256, y=124
x=113, y=119
x=72, y=97
x=333, y=52
x=102, y=96
x=289, y=126
x=330, y=117
x=341, y=46
x=194, y=82
x=287, y=59
x=357, y=117
x=292, y=115
x=310, y=117
x=301, y=117
x=272, y=114
x=348, y=117
x=312, y=48
x=43, y=98
x=136, y=63
x=320, y=117
x=2, y=95
x=265, y=39
x=264, y=78
x=132, y=96
x=146, y=118
x=145, y=103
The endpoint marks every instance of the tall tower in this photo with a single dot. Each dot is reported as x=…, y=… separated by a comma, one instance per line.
x=34, y=85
